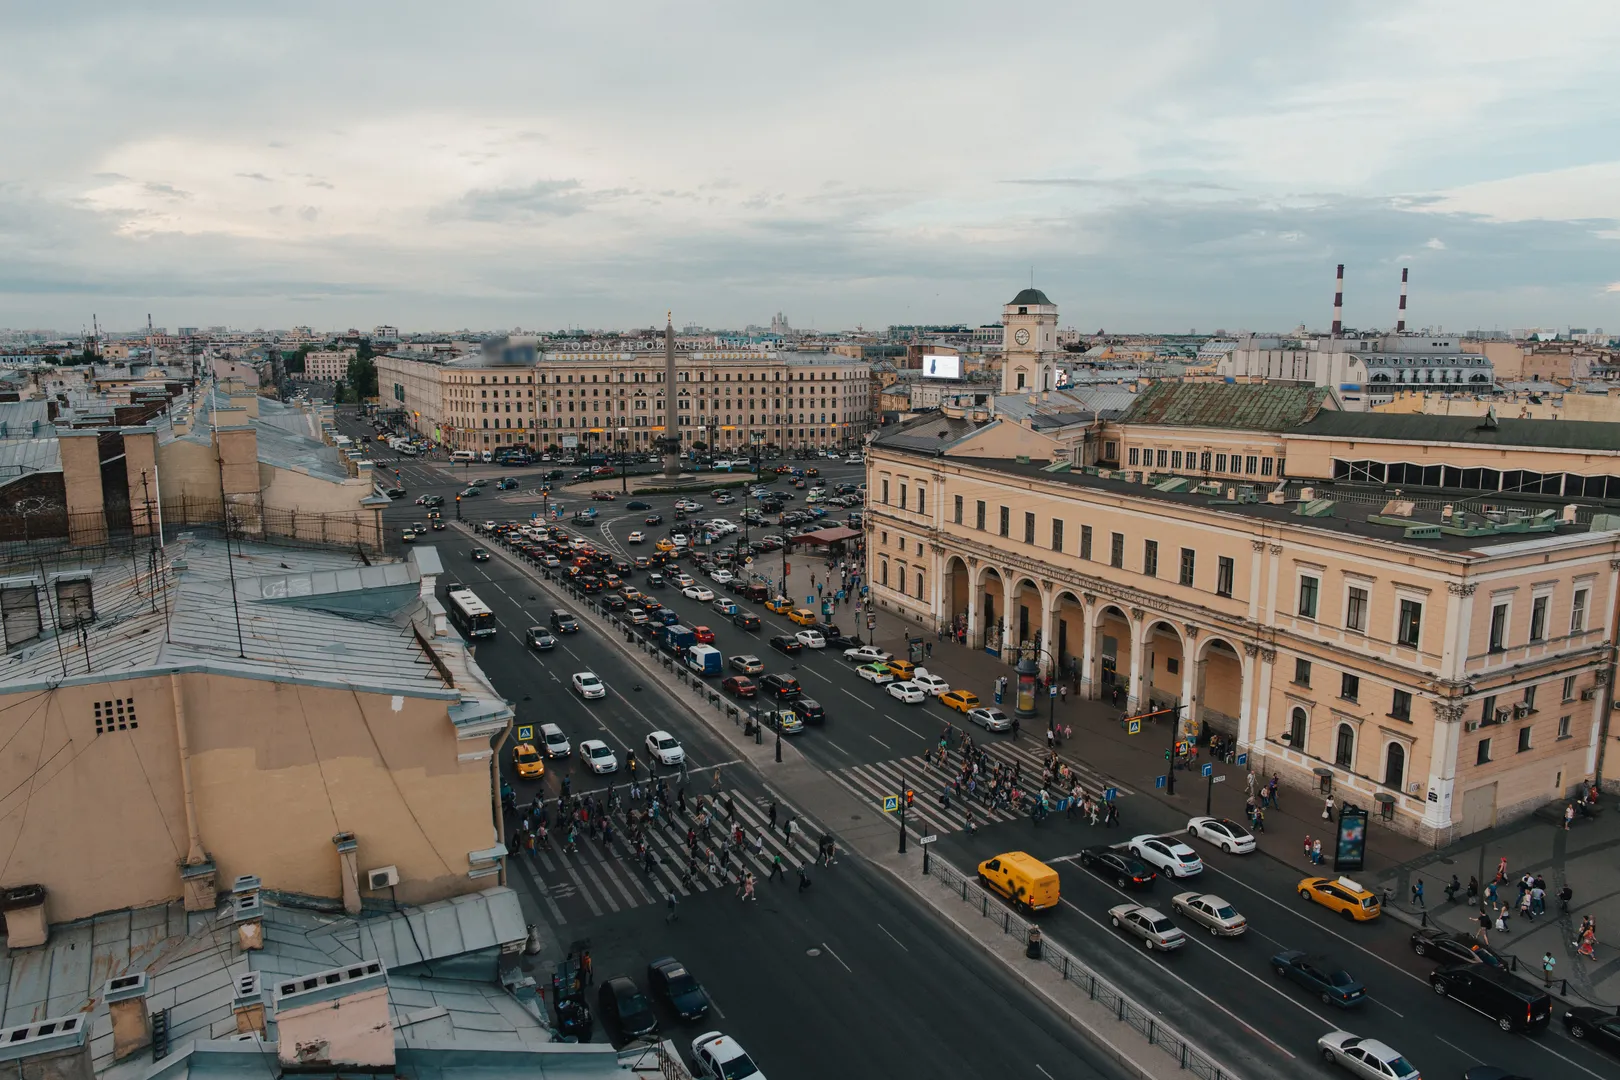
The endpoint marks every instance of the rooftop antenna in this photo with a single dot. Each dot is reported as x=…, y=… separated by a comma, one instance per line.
x=1338, y=303
x=1400, y=322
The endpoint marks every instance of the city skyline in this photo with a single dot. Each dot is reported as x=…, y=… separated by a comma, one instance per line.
x=1153, y=173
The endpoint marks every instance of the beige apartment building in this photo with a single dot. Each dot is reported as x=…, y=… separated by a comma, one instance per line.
x=327, y=365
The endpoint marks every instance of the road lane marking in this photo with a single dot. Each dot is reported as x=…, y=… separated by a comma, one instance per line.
x=862, y=700
x=838, y=748
x=835, y=956
x=896, y=940
x=879, y=741
x=1044, y=1073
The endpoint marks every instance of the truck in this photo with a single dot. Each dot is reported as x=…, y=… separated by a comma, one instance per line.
x=676, y=638
x=703, y=659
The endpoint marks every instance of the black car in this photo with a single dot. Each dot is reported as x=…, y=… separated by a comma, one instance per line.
x=480, y=555
x=668, y=978
x=747, y=620
x=653, y=519
x=563, y=622
x=1603, y=1028
x=780, y=687
x=637, y=504
x=614, y=602
x=810, y=711
x=1326, y=980
x=1449, y=948
x=622, y=1004
x=835, y=637
x=785, y=644
x=1122, y=869
x=1514, y=1004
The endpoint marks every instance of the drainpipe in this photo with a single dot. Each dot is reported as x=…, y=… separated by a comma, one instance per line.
x=495, y=743
x=1613, y=652
x=194, y=854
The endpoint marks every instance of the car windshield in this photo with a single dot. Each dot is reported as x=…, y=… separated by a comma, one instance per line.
x=587, y=680
x=1399, y=1066
x=1341, y=978
x=632, y=1004
x=556, y=740
x=737, y=1068
x=1227, y=912
x=682, y=983
x=1187, y=856
x=666, y=743
x=528, y=757
x=1163, y=926
x=601, y=751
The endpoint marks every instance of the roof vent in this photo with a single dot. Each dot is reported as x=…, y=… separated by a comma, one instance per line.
x=57, y=1048
x=336, y=1019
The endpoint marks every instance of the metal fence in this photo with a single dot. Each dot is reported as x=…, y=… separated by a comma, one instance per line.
x=1100, y=990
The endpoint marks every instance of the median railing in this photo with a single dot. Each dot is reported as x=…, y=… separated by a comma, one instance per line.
x=1125, y=1009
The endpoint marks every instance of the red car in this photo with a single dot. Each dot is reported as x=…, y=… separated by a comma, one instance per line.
x=603, y=496
x=740, y=686
x=704, y=635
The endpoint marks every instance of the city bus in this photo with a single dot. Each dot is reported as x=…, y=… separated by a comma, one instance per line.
x=471, y=615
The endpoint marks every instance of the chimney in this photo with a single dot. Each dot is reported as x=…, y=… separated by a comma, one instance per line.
x=247, y=1003
x=24, y=908
x=1338, y=302
x=349, y=870
x=53, y=1049
x=131, y=1023
x=1400, y=322
x=1446, y=512
x=1568, y=516
x=336, y=1020
x=247, y=912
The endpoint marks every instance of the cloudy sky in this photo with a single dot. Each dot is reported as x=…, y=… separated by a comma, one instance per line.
x=1166, y=165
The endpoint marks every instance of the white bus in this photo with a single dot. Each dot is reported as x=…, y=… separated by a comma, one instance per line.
x=471, y=615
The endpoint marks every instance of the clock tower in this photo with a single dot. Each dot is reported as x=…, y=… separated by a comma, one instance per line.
x=1028, y=343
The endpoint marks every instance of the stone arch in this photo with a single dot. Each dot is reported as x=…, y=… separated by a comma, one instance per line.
x=1395, y=765
x=956, y=587
x=1220, y=684
x=1026, y=611
x=1162, y=674
x=1114, y=650
x=990, y=601
x=1068, y=621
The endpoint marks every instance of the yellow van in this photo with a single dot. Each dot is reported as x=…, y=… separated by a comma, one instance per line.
x=901, y=669
x=1022, y=879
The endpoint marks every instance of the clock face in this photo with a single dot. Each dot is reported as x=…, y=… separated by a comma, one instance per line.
x=1022, y=336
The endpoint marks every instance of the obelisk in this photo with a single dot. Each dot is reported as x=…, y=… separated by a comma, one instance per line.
x=672, y=432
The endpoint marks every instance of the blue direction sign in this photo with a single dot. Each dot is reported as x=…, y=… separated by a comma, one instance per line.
x=1242, y=759
x=1208, y=769
x=525, y=733
x=891, y=803
x=1051, y=691
x=1158, y=781
x=1110, y=794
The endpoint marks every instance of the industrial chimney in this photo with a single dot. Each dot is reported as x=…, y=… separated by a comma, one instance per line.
x=1338, y=303
x=1400, y=323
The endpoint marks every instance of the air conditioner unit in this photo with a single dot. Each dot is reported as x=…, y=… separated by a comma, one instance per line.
x=1414, y=787
x=1471, y=725
x=1589, y=694
x=1502, y=716
x=382, y=877
x=1521, y=710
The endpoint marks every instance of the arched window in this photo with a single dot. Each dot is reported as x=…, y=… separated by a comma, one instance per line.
x=1296, y=729
x=1344, y=747
x=1395, y=766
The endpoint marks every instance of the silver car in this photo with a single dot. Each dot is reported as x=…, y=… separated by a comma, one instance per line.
x=1210, y=912
x=1151, y=925
x=992, y=719
x=1368, y=1058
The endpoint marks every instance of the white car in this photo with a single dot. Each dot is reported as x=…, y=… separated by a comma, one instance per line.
x=991, y=719
x=679, y=540
x=721, y=577
x=933, y=684
x=598, y=756
x=698, y=592
x=555, y=742
x=685, y=581
x=1166, y=854
x=868, y=654
x=719, y=1057
x=637, y=616
x=1224, y=833
x=635, y=537
x=1365, y=1057
x=588, y=686
x=811, y=639
x=725, y=606
x=1151, y=925
x=908, y=692
x=664, y=749
x=1210, y=912
x=875, y=673
x=748, y=664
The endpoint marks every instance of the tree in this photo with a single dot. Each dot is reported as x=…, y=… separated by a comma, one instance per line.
x=295, y=360
x=362, y=372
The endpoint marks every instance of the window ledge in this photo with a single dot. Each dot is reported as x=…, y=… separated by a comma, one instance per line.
x=1402, y=719
x=1561, y=738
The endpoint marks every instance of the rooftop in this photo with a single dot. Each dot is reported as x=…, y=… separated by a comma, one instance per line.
x=1583, y=435
x=1236, y=406
x=1031, y=296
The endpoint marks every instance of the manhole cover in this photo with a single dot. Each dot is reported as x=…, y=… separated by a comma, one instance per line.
x=854, y=817
x=812, y=952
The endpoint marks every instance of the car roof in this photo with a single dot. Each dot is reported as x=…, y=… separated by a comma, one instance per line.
x=1380, y=1050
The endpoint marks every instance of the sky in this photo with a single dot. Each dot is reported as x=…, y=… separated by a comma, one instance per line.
x=1168, y=166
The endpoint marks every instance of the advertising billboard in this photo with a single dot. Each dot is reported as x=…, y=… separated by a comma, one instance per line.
x=1350, y=853
x=936, y=366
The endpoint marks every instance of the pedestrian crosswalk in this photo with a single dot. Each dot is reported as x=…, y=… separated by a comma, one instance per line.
x=595, y=881
x=928, y=814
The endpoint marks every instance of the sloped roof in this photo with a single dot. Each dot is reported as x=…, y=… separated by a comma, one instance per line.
x=1031, y=296
x=929, y=433
x=1421, y=427
x=1239, y=406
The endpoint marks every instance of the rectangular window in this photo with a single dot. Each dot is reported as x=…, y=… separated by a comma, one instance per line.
x=1224, y=569
x=1085, y=542
x=1355, y=610
x=885, y=492
x=1135, y=456
x=1538, y=618
x=957, y=508
x=1116, y=553
x=978, y=514
x=1029, y=528
x=902, y=494
x=1188, y=559
x=1309, y=591
x=1529, y=699
x=1499, y=616
x=1400, y=705
x=1482, y=756
x=1577, y=612
x=1569, y=688
x=1563, y=727
x=1006, y=521
x=1265, y=466
x=1164, y=459
x=115, y=715
x=1220, y=462
x=1175, y=459
x=1409, y=626
x=1350, y=687
x=1251, y=463
x=1057, y=534
x=1302, y=671
x=1487, y=710
x=1203, y=461
x=1150, y=558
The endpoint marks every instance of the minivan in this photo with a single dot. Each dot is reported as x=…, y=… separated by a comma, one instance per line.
x=1021, y=878
x=1514, y=1004
x=463, y=455
x=810, y=711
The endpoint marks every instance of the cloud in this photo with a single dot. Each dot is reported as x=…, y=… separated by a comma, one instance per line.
x=255, y=176
x=167, y=190
x=541, y=199
x=1613, y=286
x=1434, y=243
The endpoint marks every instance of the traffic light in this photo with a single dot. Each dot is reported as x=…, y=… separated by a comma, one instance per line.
x=909, y=796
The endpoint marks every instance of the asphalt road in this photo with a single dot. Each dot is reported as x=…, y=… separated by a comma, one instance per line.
x=851, y=977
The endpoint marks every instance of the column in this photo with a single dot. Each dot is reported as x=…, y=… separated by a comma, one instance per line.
x=1088, y=679
x=1048, y=634
x=1445, y=735
x=1459, y=621
x=1192, y=673
x=1133, y=689
x=1246, y=692
x=939, y=587
x=1262, y=709
x=973, y=607
x=1256, y=546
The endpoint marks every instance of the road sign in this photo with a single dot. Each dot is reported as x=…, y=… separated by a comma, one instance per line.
x=871, y=622
x=1133, y=727
x=1217, y=779
x=891, y=803
x=525, y=733
x=1242, y=759
x=998, y=697
x=929, y=839
x=1209, y=769
x=1051, y=691
x=1110, y=794
x=1158, y=781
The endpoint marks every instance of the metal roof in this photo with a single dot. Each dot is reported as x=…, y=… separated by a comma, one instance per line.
x=1238, y=406
x=929, y=434
x=1426, y=428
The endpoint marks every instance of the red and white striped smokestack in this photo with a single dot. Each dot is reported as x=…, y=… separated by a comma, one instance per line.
x=1400, y=324
x=1338, y=303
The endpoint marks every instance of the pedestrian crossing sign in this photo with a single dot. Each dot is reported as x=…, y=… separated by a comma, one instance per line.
x=891, y=803
x=1133, y=727
x=525, y=733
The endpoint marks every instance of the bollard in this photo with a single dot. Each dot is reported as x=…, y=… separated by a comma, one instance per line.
x=1032, y=943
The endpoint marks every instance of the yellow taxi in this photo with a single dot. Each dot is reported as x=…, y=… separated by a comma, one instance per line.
x=664, y=546
x=960, y=700
x=526, y=759
x=779, y=605
x=1341, y=894
x=901, y=669
x=803, y=616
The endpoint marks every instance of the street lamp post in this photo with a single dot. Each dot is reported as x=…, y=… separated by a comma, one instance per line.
x=624, y=461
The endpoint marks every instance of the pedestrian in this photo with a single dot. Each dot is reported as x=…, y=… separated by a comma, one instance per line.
x=1588, y=946
x=1547, y=963
x=748, y=887
x=1569, y=815
x=787, y=830
x=585, y=967
x=1051, y=738
x=804, y=878
x=1327, y=808
x=1063, y=693
x=1260, y=825
x=1473, y=890
x=669, y=914
x=1316, y=852
x=1308, y=845
x=731, y=808
x=1501, y=919
x=776, y=869
x=772, y=815
x=1501, y=870
x=1417, y=892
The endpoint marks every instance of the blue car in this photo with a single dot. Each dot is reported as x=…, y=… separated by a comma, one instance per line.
x=668, y=617
x=1321, y=977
